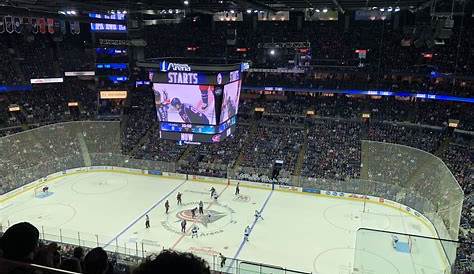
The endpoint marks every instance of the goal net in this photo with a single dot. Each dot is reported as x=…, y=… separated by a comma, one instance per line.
x=41, y=191
x=402, y=243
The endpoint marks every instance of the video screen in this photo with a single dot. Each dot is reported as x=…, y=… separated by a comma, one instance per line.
x=230, y=102
x=190, y=104
x=200, y=138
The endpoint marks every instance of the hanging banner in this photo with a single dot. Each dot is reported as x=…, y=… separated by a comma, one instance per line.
x=9, y=24
x=25, y=25
x=2, y=25
x=62, y=24
x=34, y=25
x=17, y=26
x=57, y=27
x=42, y=25
x=77, y=27
x=72, y=27
x=50, y=24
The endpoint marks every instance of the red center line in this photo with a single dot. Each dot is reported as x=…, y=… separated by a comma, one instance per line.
x=189, y=228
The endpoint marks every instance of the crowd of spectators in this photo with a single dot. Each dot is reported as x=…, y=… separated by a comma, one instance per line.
x=333, y=150
x=415, y=111
x=319, y=79
x=20, y=246
x=334, y=63
x=457, y=157
x=215, y=159
x=24, y=57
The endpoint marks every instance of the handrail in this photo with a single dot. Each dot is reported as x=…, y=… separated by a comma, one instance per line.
x=4, y=265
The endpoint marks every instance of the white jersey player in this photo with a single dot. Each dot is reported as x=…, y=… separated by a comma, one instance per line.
x=246, y=233
x=194, y=232
x=209, y=216
x=162, y=104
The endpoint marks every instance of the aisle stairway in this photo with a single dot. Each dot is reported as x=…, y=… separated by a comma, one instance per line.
x=84, y=150
x=301, y=155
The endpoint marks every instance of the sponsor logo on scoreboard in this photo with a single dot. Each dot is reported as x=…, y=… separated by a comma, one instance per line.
x=166, y=66
x=183, y=78
x=234, y=76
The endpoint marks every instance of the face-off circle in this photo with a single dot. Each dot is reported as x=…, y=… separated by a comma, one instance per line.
x=215, y=218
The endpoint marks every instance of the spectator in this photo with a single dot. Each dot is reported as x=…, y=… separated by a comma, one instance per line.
x=96, y=262
x=170, y=262
x=19, y=242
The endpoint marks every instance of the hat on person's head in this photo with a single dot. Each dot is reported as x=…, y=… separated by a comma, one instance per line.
x=19, y=241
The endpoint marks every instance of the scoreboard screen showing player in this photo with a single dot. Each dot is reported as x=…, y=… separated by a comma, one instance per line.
x=230, y=101
x=195, y=102
x=190, y=104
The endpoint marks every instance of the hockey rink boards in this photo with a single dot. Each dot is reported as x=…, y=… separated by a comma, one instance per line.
x=298, y=231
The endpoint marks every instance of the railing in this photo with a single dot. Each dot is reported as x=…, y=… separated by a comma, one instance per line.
x=236, y=266
x=8, y=266
x=133, y=254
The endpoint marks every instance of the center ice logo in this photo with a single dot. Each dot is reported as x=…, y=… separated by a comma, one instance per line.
x=209, y=216
x=215, y=218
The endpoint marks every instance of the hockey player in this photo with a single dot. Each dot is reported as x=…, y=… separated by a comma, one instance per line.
x=147, y=221
x=222, y=259
x=213, y=190
x=246, y=233
x=205, y=95
x=231, y=109
x=237, y=189
x=167, y=206
x=162, y=104
x=178, y=198
x=201, y=207
x=183, y=226
x=215, y=196
x=258, y=215
x=193, y=212
x=194, y=231
x=189, y=113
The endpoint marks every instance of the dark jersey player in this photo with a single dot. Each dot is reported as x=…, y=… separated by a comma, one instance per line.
x=204, y=95
x=162, y=104
x=231, y=109
x=189, y=113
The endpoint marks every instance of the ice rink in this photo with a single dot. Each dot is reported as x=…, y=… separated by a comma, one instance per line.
x=304, y=232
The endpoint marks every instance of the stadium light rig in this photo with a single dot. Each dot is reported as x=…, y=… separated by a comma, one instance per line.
x=186, y=2
x=68, y=12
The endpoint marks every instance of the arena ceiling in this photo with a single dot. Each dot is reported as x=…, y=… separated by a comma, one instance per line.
x=204, y=6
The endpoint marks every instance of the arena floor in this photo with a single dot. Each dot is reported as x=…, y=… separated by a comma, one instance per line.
x=311, y=233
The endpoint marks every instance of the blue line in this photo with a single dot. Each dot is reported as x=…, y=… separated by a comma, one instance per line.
x=251, y=229
x=141, y=216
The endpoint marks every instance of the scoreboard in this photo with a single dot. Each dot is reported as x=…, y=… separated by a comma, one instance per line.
x=195, y=103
